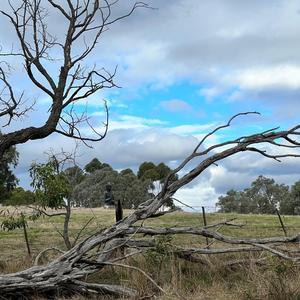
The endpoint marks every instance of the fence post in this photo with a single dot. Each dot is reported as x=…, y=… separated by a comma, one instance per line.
x=205, y=224
x=119, y=211
x=281, y=222
x=26, y=238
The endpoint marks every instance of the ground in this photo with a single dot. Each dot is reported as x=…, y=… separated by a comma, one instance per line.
x=179, y=278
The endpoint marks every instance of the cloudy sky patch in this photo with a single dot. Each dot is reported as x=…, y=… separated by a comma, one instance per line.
x=184, y=68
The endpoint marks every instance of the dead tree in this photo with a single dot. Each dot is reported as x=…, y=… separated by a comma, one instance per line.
x=91, y=255
x=85, y=21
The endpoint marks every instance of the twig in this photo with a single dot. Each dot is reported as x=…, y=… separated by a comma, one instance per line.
x=36, y=261
x=139, y=270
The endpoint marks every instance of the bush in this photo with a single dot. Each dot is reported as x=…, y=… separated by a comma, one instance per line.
x=20, y=197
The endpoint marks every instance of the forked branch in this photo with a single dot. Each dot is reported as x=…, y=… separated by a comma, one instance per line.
x=69, y=82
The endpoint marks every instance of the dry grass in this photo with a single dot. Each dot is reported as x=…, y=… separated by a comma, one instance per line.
x=180, y=279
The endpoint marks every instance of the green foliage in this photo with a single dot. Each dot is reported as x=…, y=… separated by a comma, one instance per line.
x=126, y=172
x=11, y=222
x=266, y=195
x=231, y=202
x=95, y=165
x=262, y=197
x=16, y=219
x=147, y=167
x=161, y=252
x=291, y=205
x=156, y=174
x=50, y=185
x=8, y=180
x=149, y=170
x=20, y=197
x=125, y=185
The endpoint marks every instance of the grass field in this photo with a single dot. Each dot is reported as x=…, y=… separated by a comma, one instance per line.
x=179, y=278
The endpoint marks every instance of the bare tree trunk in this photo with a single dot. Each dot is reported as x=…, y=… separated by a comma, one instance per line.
x=66, y=234
x=85, y=23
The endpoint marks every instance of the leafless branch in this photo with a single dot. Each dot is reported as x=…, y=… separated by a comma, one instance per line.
x=72, y=83
x=38, y=257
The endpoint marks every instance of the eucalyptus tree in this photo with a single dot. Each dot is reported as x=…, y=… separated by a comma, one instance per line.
x=156, y=175
x=53, y=185
x=291, y=205
x=8, y=180
x=126, y=187
x=264, y=196
x=229, y=203
x=95, y=165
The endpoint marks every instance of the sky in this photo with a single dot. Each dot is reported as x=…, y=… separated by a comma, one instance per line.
x=184, y=68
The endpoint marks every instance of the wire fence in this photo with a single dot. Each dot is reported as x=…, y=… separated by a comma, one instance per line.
x=198, y=208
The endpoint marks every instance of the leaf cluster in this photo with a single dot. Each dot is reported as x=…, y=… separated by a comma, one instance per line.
x=12, y=222
x=50, y=185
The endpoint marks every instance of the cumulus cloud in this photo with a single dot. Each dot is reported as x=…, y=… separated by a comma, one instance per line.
x=199, y=195
x=193, y=129
x=122, y=148
x=281, y=76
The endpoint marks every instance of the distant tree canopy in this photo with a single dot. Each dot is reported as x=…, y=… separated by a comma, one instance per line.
x=156, y=175
x=126, y=187
x=149, y=170
x=264, y=196
x=129, y=188
x=19, y=196
x=95, y=165
x=292, y=204
x=86, y=187
x=8, y=180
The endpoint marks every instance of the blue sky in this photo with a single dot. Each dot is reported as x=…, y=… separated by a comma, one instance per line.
x=185, y=68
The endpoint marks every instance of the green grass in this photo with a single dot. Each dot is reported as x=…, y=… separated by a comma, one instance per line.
x=44, y=232
x=181, y=279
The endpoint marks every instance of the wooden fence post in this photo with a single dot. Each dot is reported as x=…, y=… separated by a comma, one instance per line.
x=119, y=211
x=205, y=224
x=281, y=222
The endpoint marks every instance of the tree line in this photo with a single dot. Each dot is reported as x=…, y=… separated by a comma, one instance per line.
x=82, y=187
x=86, y=187
x=263, y=196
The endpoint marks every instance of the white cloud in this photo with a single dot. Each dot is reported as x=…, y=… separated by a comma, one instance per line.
x=199, y=195
x=284, y=76
x=133, y=122
x=210, y=93
x=195, y=129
